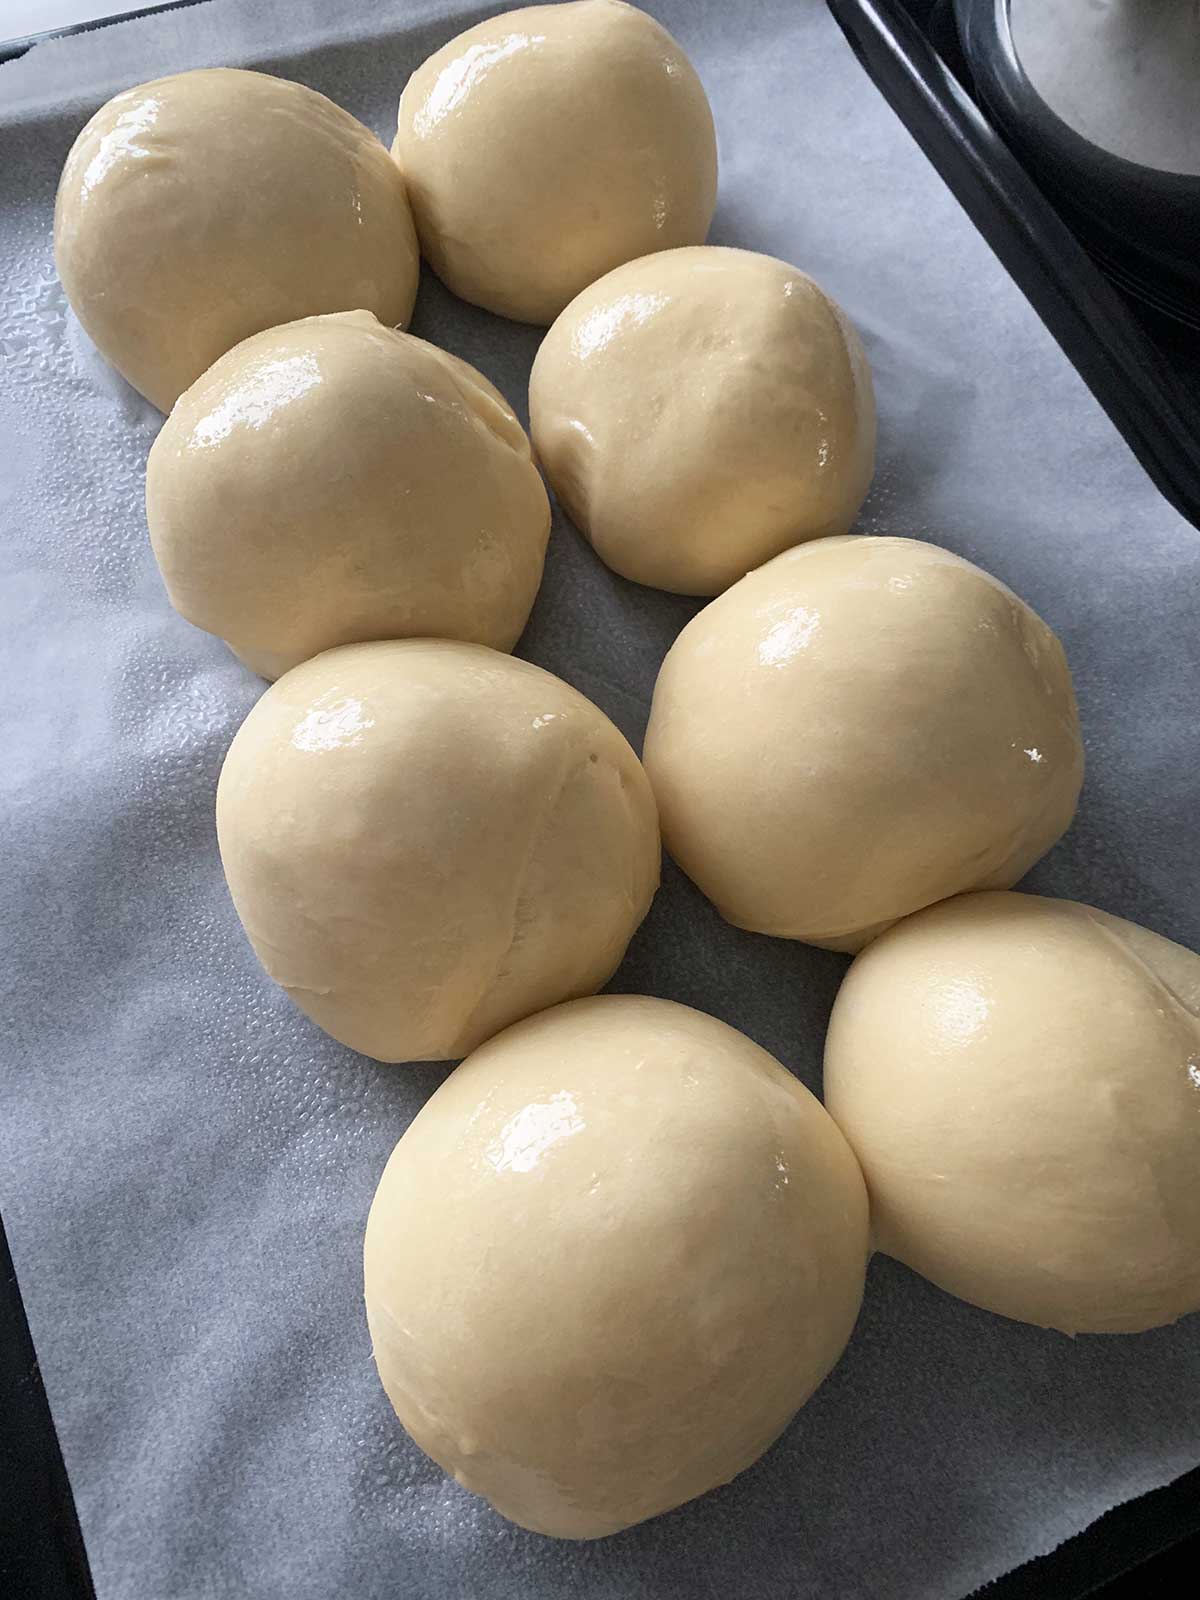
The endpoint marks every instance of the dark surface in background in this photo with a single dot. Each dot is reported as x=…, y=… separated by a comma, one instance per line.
x=1149, y=1547
x=41, y=1549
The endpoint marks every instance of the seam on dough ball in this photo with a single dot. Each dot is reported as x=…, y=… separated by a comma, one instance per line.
x=524, y=913
x=466, y=1038
x=485, y=409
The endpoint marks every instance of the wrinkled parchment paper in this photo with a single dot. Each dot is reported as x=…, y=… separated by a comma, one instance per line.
x=186, y=1163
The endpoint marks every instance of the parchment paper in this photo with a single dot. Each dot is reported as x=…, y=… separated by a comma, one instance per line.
x=186, y=1163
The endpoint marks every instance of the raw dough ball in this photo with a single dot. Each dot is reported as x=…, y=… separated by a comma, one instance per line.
x=545, y=146
x=609, y=1260
x=427, y=840
x=198, y=209
x=334, y=481
x=699, y=411
x=1019, y=1078
x=857, y=729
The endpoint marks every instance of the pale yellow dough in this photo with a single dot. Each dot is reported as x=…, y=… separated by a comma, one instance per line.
x=700, y=410
x=428, y=840
x=334, y=481
x=609, y=1260
x=547, y=145
x=198, y=209
x=857, y=729
x=1020, y=1079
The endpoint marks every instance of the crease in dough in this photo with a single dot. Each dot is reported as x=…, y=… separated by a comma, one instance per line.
x=453, y=865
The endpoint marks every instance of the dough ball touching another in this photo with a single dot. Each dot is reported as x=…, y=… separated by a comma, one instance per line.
x=545, y=146
x=198, y=209
x=1019, y=1079
x=857, y=729
x=701, y=410
x=427, y=840
x=609, y=1260
x=333, y=481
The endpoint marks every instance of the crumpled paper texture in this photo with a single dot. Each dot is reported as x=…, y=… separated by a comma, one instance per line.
x=186, y=1163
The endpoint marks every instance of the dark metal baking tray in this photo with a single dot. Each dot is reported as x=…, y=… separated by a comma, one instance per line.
x=1143, y=367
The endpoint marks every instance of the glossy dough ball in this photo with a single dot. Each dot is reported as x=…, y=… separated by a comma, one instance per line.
x=609, y=1260
x=858, y=729
x=198, y=209
x=333, y=481
x=545, y=146
x=699, y=411
x=1019, y=1078
x=427, y=840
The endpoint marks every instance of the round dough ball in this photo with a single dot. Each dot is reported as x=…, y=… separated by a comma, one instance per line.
x=545, y=146
x=857, y=729
x=699, y=411
x=1019, y=1078
x=333, y=481
x=198, y=209
x=426, y=840
x=609, y=1260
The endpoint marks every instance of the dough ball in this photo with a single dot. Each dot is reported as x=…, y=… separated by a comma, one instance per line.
x=333, y=481
x=1019, y=1078
x=198, y=209
x=545, y=146
x=698, y=411
x=426, y=840
x=609, y=1260
x=855, y=730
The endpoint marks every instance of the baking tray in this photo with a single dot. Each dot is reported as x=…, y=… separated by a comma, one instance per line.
x=1141, y=224
x=1132, y=1534
x=1145, y=371
x=1142, y=367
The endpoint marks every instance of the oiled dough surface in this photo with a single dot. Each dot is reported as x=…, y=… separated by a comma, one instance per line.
x=1020, y=1078
x=198, y=209
x=700, y=410
x=857, y=729
x=427, y=840
x=335, y=480
x=609, y=1260
x=545, y=146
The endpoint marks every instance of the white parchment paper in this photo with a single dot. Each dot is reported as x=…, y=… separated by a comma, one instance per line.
x=186, y=1163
